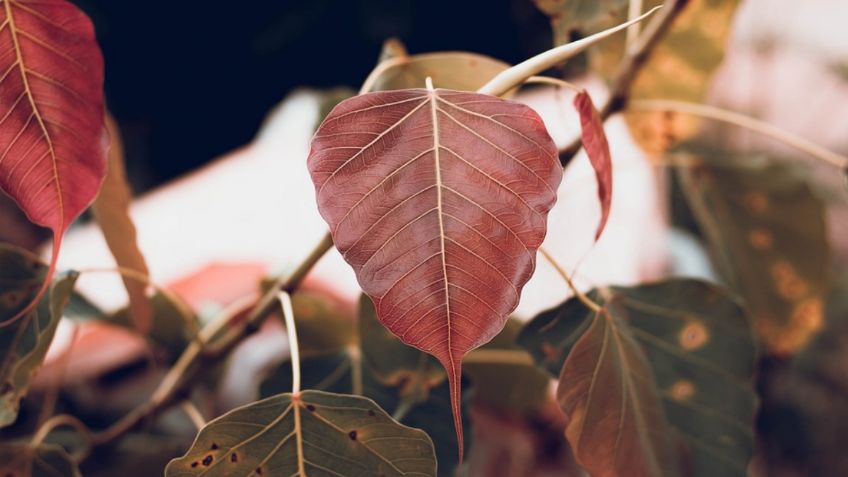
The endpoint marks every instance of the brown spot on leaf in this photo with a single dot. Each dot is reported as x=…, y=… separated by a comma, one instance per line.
x=214, y=446
x=259, y=471
x=194, y=464
x=371, y=413
x=233, y=457
x=550, y=352
x=352, y=435
x=693, y=335
x=310, y=408
x=760, y=239
x=756, y=202
x=207, y=461
x=682, y=390
x=787, y=281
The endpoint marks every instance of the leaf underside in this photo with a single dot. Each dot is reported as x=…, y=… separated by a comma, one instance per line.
x=597, y=149
x=438, y=200
x=316, y=433
x=683, y=344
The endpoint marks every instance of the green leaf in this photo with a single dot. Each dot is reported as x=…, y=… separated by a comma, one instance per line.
x=504, y=376
x=171, y=328
x=314, y=433
x=766, y=233
x=456, y=70
x=695, y=339
x=394, y=363
x=22, y=460
x=24, y=344
x=323, y=324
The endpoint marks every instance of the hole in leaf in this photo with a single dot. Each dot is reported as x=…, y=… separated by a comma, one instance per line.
x=207, y=461
x=352, y=435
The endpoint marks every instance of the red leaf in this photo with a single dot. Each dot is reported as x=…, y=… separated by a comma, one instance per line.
x=597, y=148
x=52, y=148
x=438, y=200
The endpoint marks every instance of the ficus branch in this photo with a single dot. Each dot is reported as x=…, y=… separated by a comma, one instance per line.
x=577, y=293
x=181, y=377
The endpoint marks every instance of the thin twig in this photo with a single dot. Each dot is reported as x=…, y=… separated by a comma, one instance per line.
x=63, y=420
x=634, y=8
x=291, y=331
x=193, y=414
x=741, y=120
x=577, y=293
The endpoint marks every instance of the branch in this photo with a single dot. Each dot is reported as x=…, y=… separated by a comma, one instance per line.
x=629, y=68
x=177, y=384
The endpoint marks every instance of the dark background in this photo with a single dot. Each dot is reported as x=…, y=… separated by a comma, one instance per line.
x=190, y=80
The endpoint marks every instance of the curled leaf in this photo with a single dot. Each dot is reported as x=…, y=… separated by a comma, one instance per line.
x=111, y=210
x=438, y=200
x=597, y=148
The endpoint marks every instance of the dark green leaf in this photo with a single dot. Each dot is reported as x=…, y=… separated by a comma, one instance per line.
x=394, y=363
x=314, y=433
x=766, y=233
x=24, y=344
x=700, y=353
x=504, y=376
x=21, y=460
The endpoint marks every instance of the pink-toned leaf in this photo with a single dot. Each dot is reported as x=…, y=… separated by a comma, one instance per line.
x=52, y=146
x=597, y=148
x=438, y=200
x=616, y=424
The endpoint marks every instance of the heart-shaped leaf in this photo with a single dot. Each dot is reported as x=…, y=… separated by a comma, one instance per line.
x=24, y=344
x=766, y=232
x=52, y=147
x=597, y=148
x=45, y=460
x=438, y=200
x=683, y=343
x=313, y=433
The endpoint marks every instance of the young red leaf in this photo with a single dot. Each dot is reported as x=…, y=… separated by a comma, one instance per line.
x=438, y=200
x=597, y=148
x=52, y=148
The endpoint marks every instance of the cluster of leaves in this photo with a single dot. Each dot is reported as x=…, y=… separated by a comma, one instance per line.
x=438, y=199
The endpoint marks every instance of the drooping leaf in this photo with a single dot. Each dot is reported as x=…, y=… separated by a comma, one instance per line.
x=393, y=363
x=679, y=67
x=681, y=341
x=332, y=372
x=438, y=200
x=456, y=70
x=598, y=151
x=313, y=433
x=111, y=210
x=766, y=233
x=52, y=147
x=24, y=344
x=504, y=375
x=45, y=460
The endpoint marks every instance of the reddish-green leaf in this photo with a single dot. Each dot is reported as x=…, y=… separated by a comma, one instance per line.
x=111, y=209
x=438, y=200
x=52, y=154
x=597, y=148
